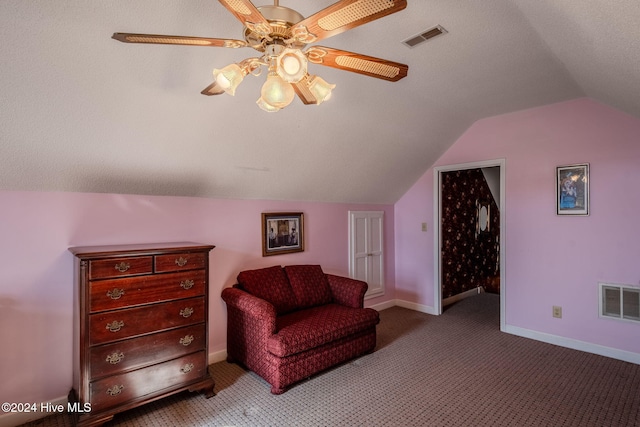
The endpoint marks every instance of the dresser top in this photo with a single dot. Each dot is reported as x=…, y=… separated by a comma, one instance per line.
x=137, y=249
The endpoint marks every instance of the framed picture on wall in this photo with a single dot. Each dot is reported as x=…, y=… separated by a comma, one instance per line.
x=282, y=233
x=572, y=189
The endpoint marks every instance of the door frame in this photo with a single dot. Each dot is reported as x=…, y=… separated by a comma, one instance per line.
x=437, y=214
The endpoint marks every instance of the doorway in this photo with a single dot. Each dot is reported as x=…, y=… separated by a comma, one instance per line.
x=481, y=219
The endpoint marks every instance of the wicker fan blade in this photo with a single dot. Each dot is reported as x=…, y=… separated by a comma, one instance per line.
x=302, y=90
x=212, y=89
x=180, y=40
x=357, y=63
x=249, y=15
x=342, y=16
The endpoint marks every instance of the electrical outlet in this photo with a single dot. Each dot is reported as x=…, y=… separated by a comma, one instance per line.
x=424, y=226
x=557, y=311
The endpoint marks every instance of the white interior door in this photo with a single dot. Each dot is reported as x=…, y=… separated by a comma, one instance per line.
x=366, y=249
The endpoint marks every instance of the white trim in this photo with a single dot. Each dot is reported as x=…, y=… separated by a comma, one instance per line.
x=404, y=304
x=614, y=353
x=374, y=294
x=459, y=297
x=437, y=213
x=417, y=307
x=12, y=419
x=217, y=356
x=437, y=262
x=383, y=305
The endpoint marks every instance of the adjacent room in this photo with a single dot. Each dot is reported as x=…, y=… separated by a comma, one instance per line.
x=474, y=163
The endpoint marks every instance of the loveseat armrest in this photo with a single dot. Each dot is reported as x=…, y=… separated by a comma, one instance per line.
x=250, y=323
x=347, y=291
x=259, y=310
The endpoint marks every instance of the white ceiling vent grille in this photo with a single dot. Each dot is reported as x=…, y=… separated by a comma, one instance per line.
x=424, y=36
x=620, y=302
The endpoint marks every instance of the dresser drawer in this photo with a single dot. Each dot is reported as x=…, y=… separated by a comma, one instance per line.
x=138, y=352
x=180, y=261
x=118, y=293
x=120, y=324
x=119, y=267
x=117, y=389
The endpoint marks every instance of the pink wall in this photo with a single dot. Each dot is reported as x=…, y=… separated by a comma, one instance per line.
x=550, y=260
x=37, y=270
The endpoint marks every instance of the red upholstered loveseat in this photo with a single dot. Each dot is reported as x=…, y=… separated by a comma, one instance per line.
x=286, y=324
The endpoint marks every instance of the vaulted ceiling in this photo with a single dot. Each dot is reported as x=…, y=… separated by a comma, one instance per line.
x=82, y=112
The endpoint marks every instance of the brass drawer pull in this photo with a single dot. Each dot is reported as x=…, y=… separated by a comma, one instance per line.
x=187, y=284
x=186, y=340
x=115, y=390
x=186, y=312
x=122, y=267
x=181, y=262
x=115, y=293
x=115, y=358
x=115, y=326
x=187, y=368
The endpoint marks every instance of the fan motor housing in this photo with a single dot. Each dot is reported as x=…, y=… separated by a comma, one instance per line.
x=281, y=19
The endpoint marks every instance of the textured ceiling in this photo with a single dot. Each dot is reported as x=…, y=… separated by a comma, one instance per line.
x=82, y=112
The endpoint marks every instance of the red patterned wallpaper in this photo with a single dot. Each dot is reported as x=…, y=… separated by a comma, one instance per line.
x=469, y=256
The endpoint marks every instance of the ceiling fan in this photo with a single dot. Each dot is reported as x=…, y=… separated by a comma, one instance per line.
x=281, y=35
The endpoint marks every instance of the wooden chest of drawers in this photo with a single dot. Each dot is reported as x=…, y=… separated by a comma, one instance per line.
x=140, y=326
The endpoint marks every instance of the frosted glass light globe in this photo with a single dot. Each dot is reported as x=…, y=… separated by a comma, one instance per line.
x=291, y=64
x=229, y=78
x=276, y=92
x=320, y=89
x=222, y=81
x=266, y=107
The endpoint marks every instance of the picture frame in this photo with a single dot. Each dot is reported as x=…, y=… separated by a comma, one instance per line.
x=572, y=189
x=282, y=233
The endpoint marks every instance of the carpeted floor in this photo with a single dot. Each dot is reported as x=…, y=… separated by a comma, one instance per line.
x=457, y=369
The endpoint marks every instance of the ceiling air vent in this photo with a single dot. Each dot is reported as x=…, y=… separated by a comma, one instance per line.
x=424, y=36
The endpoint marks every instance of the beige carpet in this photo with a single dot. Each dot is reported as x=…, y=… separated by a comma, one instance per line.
x=457, y=369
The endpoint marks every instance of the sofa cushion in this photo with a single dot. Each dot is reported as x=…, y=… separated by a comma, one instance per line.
x=271, y=285
x=307, y=329
x=309, y=284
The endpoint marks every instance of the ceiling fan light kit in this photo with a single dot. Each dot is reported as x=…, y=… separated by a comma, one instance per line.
x=229, y=78
x=291, y=65
x=320, y=89
x=276, y=92
x=281, y=34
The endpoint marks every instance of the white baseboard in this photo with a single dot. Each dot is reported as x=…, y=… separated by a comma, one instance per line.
x=404, y=304
x=217, y=356
x=459, y=297
x=12, y=419
x=600, y=350
x=382, y=305
x=416, y=307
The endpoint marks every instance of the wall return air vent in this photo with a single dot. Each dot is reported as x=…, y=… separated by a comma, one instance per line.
x=620, y=302
x=424, y=36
